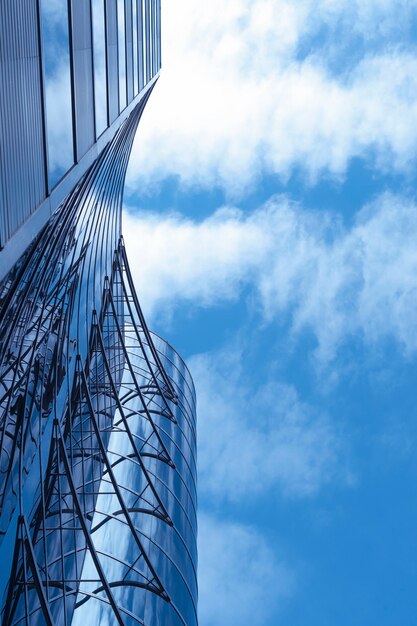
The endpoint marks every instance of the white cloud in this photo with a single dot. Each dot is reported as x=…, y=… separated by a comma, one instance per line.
x=177, y=258
x=241, y=580
x=235, y=98
x=335, y=281
x=255, y=440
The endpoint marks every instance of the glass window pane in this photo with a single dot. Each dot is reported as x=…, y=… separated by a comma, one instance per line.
x=58, y=93
x=145, y=52
x=122, y=52
x=135, y=48
x=100, y=79
x=141, y=47
x=145, y=41
x=148, y=40
x=150, y=34
x=158, y=38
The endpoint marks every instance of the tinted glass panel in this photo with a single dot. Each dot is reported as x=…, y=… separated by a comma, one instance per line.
x=135, y=47
x=122, y=52
x=141, y=75
x=100, y=81
x=145, y=40
x=57, y=88
x=152, y=36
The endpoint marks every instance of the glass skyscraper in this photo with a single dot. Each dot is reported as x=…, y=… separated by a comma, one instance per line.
x=97, y=414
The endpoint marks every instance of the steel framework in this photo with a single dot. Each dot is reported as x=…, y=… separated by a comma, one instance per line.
x=97, y=438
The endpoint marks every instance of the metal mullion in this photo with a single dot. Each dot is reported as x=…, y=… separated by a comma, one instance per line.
x=78, y=404
x=71, y=450
x=43, y=509
x=106, y=54
x=36, y=576
x=159, y=34
x=153, y=36
x=8, y=609
x=61, y=542
x=25, y=590
x=75, y=156
x=93, y=70
x=98, y=412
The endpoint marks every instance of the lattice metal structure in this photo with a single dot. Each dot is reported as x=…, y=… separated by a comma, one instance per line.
x=97, y=416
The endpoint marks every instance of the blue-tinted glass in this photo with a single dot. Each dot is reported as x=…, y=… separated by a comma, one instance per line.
x=57, y=88
x=141, y=47
x=122, y=52
x=148, y=40
x=100, y=78
x=155, y=69
x=170, y=548
x=135, y=47
x=145, y=40
x=149, y=31
x=155, y=41
x=158, y=36
x=98, y=469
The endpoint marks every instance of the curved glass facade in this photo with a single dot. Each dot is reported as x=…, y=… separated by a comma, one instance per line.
x=98, y=441
x=97, y=414
x=160, y=495
x=71, y=72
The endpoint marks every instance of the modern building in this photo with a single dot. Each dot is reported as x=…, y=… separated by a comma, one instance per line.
x=97, y=414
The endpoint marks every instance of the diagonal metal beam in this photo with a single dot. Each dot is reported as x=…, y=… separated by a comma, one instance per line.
x=84, y=527
x=156, y=587
x=132, y=441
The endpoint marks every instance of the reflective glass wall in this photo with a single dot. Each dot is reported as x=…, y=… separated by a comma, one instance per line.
x=97, y=429
x=97, y=416
x=69, y=68
x=159, y=492
x=58, y=90
x=100, y=71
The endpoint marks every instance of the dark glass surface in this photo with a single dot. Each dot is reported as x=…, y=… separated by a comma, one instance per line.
x=121, y=19
x=97, y=423
x=100, y=74
x=145, y=40
x=58, y=93
x=171, y=548
x=135, y=46
x=141, y=72
x=97, y=418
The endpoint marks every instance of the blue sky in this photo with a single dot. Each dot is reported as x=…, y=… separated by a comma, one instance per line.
x=271, y=223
